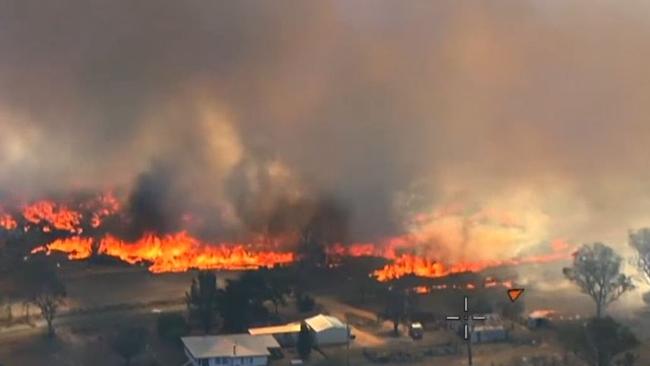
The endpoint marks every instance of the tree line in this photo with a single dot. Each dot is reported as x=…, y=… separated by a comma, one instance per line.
x=597, y=271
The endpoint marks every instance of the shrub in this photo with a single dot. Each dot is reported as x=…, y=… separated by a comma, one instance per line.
x=306, y=303
x=172, y=327
x=129, y=342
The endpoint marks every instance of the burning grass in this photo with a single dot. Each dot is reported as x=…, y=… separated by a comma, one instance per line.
x=407, y=264
x=170, y=253
x=78, y=230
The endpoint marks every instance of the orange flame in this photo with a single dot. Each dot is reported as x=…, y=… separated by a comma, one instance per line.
x=411, y=265
x=408, y=264
x=422, y=290
x=543, y=313
x=7, y=222
x=57, y=216
x=76, y=247
x=181, y=251
x=172, y=253
x=104, y=206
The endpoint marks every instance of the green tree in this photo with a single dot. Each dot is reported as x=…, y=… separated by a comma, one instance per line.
x=241, y=303
x=129, y=342
x=597, y=271
x=43, y=288
x=305, y=342
x=203, y=299
x=262, y=286
x=172, y=327
x=598, y=341
x=278, y=286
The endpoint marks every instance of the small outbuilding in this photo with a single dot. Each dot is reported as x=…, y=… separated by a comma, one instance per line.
x=328, y=330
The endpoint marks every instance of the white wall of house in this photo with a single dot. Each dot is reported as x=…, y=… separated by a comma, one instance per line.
x=230, y=361
x=331, y=336
x=239, y=361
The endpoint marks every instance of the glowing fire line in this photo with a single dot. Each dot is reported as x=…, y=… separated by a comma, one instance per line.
x=407, y=264
x=170, y=253
x=180, y=251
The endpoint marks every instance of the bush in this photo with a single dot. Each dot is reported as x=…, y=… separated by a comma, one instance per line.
x=305, y=303
x=598, y=340
x=129, y=342
x=172, y=327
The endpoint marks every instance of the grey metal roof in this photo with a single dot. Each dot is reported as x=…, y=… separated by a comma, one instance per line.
x=230, y=345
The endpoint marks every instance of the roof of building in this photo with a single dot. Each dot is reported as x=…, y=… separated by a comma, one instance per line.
x=231, y=345
x=322, y=322
x=276, y=329
x=542, y=314
x=317, y=323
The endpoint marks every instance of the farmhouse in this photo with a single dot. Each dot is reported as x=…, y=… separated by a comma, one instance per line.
x=229, y=350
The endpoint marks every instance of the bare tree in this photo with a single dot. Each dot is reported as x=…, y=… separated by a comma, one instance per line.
x=42, y=286
x=597, y=271
x=640, y=241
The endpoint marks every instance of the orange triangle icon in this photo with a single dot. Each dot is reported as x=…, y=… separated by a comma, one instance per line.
x=515, y=293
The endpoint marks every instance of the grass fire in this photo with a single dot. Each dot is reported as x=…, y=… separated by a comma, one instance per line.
x=79, y=234
x=324, y=183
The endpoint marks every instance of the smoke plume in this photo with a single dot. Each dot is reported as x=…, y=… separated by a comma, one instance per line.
x=482, y=128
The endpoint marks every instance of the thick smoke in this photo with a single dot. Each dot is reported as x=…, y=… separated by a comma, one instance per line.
x=515, y=122
x=153, y=206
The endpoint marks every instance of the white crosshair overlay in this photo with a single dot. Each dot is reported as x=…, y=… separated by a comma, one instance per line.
x=466, y=319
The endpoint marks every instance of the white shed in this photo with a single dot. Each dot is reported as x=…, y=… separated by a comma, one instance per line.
x=328, y=330
x=229, y=350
